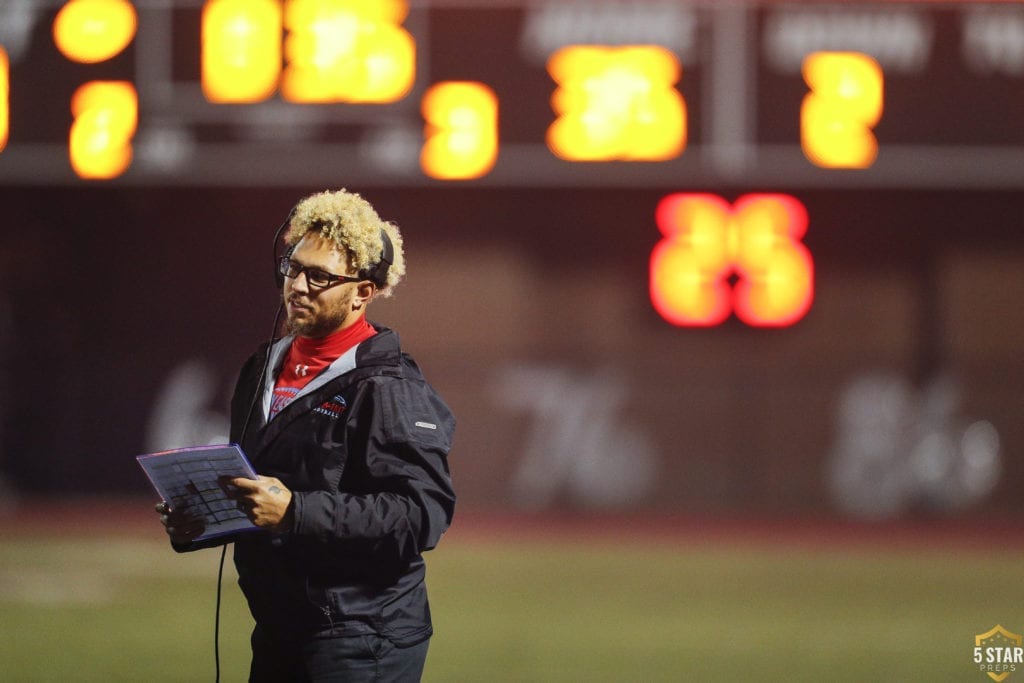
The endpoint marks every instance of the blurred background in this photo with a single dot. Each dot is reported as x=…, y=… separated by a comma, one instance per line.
x=882, y=378
x=753, y=261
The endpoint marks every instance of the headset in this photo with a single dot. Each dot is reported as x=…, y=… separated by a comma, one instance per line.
x=377, y=273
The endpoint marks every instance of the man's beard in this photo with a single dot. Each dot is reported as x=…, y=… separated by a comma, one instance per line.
x=313, y=328
x=321, y=323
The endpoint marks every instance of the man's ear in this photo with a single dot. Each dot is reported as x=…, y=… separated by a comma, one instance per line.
x=365, y=291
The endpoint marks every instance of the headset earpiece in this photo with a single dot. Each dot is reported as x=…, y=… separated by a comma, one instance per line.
x=378, y=273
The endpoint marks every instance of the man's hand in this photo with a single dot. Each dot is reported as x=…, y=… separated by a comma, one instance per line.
x=265, y=501
x=181, y=525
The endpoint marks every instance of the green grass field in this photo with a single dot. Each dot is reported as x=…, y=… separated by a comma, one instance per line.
x=550, y=608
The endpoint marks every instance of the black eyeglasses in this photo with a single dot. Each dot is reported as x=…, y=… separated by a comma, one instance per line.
x=317, y=278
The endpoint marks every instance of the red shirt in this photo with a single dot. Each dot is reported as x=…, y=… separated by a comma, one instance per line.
x=306, y=358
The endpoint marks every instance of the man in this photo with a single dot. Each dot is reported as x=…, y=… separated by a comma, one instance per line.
x=351, y=446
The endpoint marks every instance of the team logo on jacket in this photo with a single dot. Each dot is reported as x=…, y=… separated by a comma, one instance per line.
x=282, y=397
x=333, y=408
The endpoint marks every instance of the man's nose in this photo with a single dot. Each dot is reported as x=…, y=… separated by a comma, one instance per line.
x=301, y=282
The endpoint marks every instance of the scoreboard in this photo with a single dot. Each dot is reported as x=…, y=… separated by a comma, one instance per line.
x=539, y=93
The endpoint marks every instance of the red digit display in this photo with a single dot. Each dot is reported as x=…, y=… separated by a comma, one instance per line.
x=716, y=259
x=5, y=90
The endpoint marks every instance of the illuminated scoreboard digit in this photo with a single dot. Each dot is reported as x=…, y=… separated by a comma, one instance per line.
x=106, y=115
x=347, y=51
x=461, y=130
x=842, y=107
x=92, y=31
x=332, y=51
x=241, y=50
x=616, y=103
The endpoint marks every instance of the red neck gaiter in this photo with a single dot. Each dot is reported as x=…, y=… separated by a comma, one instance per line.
x=307, y=357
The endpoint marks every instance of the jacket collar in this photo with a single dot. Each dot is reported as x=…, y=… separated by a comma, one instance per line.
x=382, y=349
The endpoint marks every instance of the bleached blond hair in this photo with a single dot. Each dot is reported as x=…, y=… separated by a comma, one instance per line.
x=353, y=225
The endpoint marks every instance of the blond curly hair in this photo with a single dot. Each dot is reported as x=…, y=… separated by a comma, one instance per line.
x=355, y=228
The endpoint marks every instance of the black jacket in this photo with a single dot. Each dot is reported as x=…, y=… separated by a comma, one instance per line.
x=364, y=451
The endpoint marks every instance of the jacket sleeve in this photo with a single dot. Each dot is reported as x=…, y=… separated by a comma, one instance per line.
x=398, y=489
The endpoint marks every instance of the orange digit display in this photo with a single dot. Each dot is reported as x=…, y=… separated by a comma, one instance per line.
x=241, y=50
x=461, y=130
x=707, y=244
x=106, y=114
x=843, y=106
x=5, y=95
x=616, y=104
x=347, y=51
x=91, y=31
